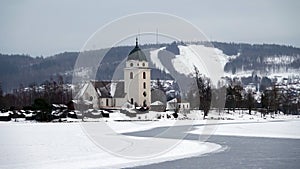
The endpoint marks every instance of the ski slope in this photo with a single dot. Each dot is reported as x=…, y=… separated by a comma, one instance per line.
x=209, y=61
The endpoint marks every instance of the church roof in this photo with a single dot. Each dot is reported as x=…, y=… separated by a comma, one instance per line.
x=109, y=89
x=136, y=53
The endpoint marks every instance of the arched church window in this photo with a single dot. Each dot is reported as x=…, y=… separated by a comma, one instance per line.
x=144, y=85
x=144, y=75
x=144, y=64
x=131, y=64
x=144, y=94
x=131, y=75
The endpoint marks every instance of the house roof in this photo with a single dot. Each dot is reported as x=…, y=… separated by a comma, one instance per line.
x=157, y=103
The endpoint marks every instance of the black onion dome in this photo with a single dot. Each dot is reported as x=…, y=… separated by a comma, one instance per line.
x=136, y=53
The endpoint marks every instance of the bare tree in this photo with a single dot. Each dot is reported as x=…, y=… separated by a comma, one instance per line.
x=204, y=90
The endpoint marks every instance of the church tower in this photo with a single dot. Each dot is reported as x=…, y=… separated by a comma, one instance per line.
x=137, y=76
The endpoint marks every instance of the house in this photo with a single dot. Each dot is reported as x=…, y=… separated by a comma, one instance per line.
x=184, y=107
x=158, y=106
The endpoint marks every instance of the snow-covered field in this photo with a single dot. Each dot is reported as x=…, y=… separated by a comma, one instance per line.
x=69, y=145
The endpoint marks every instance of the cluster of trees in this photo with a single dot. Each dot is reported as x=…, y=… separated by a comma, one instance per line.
x=51, y=91
x=234, y=96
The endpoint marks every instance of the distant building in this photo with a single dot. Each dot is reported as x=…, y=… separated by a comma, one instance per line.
x=183, y=107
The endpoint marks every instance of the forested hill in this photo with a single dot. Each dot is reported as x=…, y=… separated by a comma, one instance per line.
x=22, y=70
x=265, y=58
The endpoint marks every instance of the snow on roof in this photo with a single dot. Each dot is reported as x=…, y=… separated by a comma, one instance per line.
x=157, y=103
x=108, y=89
x=173, y=101
x=6, y=114
x=113, y=88
x=82, y=90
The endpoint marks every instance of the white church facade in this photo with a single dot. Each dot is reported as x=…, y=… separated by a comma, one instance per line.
x=134, y=90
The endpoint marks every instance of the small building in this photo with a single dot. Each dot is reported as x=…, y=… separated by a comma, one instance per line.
x=158, y=106
x=184, y=107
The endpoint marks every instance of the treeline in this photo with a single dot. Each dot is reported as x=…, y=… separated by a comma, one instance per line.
x=254, y=57
x=52, y=91
x=234, y=97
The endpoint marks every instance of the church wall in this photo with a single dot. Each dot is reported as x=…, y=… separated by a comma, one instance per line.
x=135, y=87
x=112, y=102
x=90, y=94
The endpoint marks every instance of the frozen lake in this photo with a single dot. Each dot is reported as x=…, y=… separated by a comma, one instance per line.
x=235, y=144
x=240, y=152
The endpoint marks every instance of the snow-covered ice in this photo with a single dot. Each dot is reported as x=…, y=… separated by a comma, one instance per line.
x=252, y=128
x=69, y=145
x=65, y=145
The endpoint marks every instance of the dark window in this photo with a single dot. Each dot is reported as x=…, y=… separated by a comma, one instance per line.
x=107, y=102
x=144, y=75
x=144, y=85
x=131, y=100
x=144, y=94
x=145, y=103
x=131, y=64
x=131, y=75
x=143, y=64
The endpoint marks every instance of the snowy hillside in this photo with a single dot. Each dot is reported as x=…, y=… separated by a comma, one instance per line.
x=209, y=61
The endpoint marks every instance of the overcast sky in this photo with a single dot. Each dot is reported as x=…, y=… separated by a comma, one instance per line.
x=52, y=26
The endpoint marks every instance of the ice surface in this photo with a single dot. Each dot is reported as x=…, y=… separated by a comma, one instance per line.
x=254, y=128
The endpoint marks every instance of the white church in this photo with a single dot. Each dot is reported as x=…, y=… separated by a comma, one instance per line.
x=134, y=90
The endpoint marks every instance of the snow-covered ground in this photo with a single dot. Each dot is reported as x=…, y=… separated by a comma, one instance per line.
x=156, y=60
x=208, y=60
x=77, y=145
